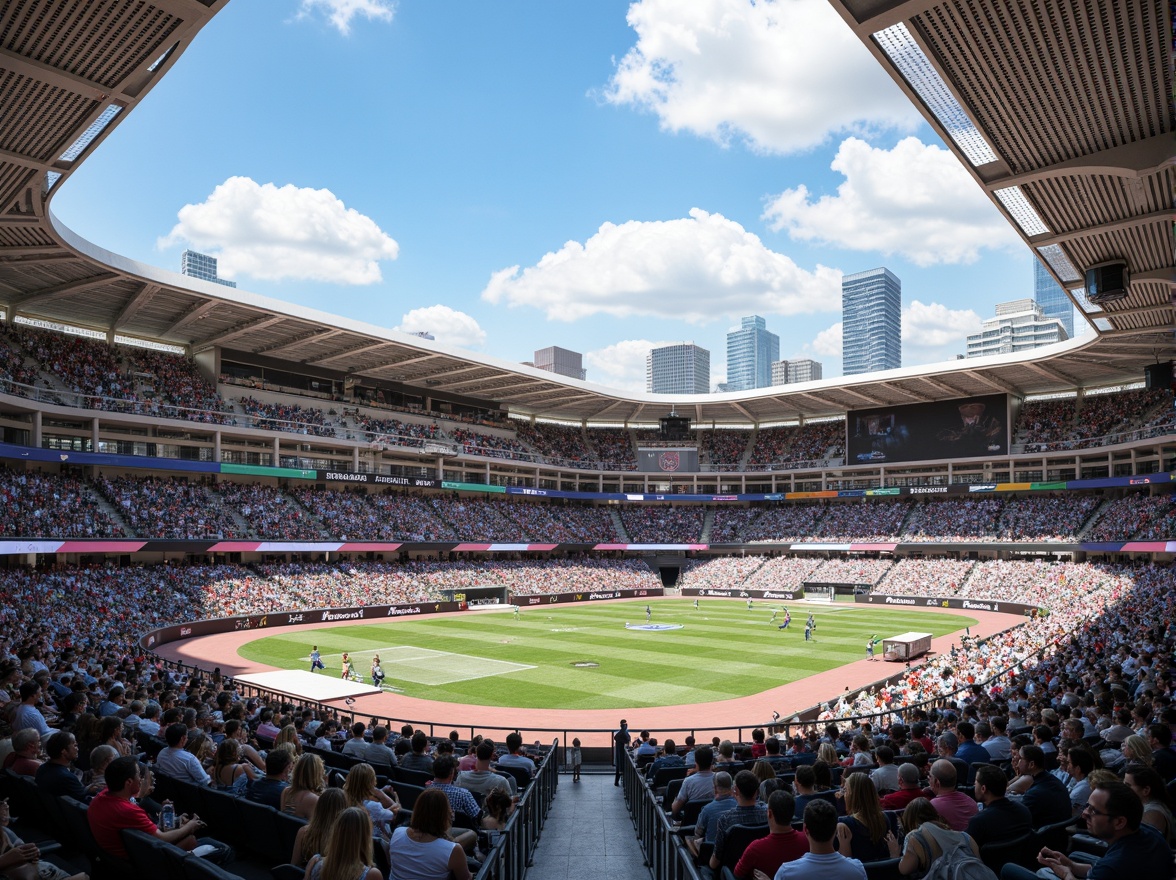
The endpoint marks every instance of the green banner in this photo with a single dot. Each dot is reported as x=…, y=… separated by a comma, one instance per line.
x=473, y=487
x=1048, y=487
x=891, y=491
x=261, y=471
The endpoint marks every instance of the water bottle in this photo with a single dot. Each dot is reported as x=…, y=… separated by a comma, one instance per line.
x=167, y=818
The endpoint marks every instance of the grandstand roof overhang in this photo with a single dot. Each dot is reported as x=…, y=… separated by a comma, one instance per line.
x=1071, y=100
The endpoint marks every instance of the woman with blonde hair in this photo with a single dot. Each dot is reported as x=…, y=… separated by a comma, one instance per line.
x=313, y=836
x=927, y=838
x=1137, y=751
x=382, y=804
x=348, y=853
x=828, y=754
x=229, y=772
x=289, y=734
x=422, y=851
x=306, y=784
x=863, y=832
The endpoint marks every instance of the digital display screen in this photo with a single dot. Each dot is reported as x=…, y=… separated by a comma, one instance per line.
x=968, y=427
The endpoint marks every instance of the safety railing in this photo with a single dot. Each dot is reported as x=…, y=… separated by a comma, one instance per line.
x=665, y=853
x=511, y=855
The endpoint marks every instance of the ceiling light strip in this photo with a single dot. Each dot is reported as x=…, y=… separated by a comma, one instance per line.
x=916, y=68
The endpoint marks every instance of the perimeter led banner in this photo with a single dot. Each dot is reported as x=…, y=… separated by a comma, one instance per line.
x=967, y=427
x=664, y=460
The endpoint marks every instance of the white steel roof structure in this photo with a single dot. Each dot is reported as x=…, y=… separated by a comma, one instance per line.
x=1061, y=112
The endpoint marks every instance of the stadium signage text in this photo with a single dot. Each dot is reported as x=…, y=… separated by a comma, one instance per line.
x=395, y=611
x=343, y=615
x=928, y=490
x=941, y=602
x=982, y=487
x=981, y=606
x=378, y=479
x=785, y=595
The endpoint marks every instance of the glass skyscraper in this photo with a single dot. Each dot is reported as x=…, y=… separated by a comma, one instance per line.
x=678, y=369
x=871, y=321
x=1054, y=303
x=751, y=351
x=197, y=265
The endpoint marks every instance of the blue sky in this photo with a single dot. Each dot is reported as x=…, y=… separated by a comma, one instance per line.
x=596, y=176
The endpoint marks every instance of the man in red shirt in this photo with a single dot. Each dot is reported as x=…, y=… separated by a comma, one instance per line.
x=783, y=843
x=113, y=810
x=909, y=788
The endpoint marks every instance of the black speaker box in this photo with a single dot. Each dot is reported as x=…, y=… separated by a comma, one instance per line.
x=1158, y=375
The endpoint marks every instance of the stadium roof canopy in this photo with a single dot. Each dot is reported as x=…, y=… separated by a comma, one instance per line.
x=1060, y=111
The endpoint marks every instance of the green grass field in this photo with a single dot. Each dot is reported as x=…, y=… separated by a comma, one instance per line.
x=722, y=651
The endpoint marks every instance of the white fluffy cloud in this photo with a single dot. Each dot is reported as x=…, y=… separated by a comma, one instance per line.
x=275, y=233
x=915, y=200
x=621, y=365
x=446, y=324
x=697, y=269
x=341, y=12
x=931, y=332
x=782, y=74
x=828, y=341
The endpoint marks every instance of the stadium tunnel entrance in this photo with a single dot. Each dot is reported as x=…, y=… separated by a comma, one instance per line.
x=667, y=566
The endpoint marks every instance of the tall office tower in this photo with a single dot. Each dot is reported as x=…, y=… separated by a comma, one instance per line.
x=202, y=266
x=678, y=369
x=751, y=351
x=871, y=321
x=796, y=370
x=1018, y=326
x=562, y=361
x=1054, y=303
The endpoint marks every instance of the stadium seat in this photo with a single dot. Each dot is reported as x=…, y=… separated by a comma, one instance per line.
x=417, y=777
x=1055, y=836
x=663, y=776
x=736, y=841
x=262, y=834
x=671, y=794
x=288, y=827
x=77, y=835
x=407, y=793
x=196, y=868
x=1019, y=851
x=886, y=869
x=151, y=856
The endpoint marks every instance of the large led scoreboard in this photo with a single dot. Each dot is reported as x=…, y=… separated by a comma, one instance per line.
x=967, y=427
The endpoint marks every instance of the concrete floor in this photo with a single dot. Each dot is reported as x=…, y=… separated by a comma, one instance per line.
x=588, y=835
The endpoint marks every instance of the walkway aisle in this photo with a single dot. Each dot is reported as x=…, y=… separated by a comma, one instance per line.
x=588, y=835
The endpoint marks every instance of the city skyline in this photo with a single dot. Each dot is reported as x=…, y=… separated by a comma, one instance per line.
x=620, y=208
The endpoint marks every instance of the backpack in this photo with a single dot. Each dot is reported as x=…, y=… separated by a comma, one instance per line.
x=956, y=861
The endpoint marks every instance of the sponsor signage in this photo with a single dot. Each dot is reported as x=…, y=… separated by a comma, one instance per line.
x=287, y=618
x=778, y=595
x=940, y=602
x=560, y=598
x=378, y=479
